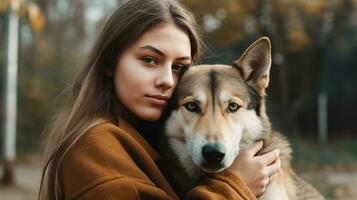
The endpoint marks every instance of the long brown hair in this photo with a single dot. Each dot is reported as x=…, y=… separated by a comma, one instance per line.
x=93, y=90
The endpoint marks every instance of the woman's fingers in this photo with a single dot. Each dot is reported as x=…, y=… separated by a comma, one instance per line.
x=273, y=168
x=255, y=148
x=270, y=157
x=256, y=171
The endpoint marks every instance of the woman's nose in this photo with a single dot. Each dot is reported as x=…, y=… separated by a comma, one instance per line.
x=165, y=79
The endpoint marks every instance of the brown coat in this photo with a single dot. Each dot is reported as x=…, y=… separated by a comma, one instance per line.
x=111, y=162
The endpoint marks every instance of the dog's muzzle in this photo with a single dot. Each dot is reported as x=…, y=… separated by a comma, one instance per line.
x=213, y=155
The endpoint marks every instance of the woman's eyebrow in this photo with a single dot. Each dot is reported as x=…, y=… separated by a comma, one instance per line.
x=151, y=48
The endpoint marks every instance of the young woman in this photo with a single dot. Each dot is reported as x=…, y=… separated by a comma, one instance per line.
x=103, y=147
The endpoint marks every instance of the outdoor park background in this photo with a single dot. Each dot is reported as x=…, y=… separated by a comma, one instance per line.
x=314, y=44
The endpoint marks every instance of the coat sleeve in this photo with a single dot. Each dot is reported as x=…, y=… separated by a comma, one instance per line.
x=220, y=186
x=122, y=188
x=217, y=187
x=100, y=167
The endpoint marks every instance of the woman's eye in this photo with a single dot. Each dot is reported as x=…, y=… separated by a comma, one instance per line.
x=150, y=60
x=192, y=107
x=233, y=107
x=178, y=67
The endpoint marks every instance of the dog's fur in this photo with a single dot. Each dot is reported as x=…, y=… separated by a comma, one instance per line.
x=204, y=111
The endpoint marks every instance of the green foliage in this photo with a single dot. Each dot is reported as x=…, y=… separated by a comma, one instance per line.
x=307, y=153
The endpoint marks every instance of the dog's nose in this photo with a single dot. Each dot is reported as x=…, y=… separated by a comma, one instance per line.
x=213, y=153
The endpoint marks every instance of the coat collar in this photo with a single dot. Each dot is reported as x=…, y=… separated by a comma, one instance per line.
x=125, y=126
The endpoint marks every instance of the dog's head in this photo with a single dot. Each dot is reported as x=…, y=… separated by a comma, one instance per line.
x=218, y=109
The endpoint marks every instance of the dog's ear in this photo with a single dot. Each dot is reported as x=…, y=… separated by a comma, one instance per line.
x=255, y=63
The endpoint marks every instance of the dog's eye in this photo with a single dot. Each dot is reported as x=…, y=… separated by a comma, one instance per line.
x=233, y=107
x=192, y=107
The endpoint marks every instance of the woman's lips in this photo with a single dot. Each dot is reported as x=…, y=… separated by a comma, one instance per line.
x=157, y=100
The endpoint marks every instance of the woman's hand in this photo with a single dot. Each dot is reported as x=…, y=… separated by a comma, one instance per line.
x=256, y=171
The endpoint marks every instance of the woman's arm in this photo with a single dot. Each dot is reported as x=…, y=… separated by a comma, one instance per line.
x=105, y=165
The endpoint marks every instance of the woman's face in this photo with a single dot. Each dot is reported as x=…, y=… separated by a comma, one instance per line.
x=147, y=72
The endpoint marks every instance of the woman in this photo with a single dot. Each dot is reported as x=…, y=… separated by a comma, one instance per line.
x=95, y=151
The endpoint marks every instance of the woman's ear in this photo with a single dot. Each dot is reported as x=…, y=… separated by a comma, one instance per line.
x=255, y=64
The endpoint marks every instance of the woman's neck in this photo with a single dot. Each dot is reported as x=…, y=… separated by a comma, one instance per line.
x=120, y=112
x=149, y=130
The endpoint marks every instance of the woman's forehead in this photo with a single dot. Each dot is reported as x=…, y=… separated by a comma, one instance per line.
x=165, y=37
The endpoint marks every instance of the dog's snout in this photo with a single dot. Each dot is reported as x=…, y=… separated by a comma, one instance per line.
x=213, y=153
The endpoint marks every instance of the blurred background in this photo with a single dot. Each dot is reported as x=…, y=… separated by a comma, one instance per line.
x=311, y=97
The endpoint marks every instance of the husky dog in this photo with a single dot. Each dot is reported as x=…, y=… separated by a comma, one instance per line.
x=219, y=110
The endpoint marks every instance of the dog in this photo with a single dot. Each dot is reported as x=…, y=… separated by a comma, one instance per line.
x=218, y=110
